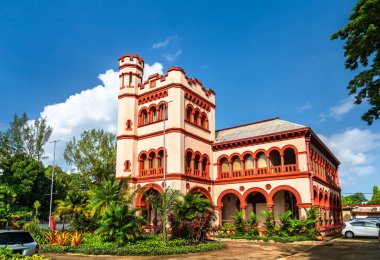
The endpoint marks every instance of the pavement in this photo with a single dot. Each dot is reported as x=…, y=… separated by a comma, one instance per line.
x=340, y=248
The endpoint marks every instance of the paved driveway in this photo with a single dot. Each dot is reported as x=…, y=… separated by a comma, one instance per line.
x=340, y=248
x=343, y=248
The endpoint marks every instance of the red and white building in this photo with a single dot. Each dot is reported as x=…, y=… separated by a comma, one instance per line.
x=271, y=164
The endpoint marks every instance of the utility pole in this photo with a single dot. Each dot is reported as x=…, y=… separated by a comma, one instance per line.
x=52, y=185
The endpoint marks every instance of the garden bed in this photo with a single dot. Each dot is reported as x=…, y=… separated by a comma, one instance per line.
x=150, y=247
x=266, y=239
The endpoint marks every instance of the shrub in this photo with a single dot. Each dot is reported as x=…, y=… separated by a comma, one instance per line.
x=39, y=234
x=6, y=254
x=269, y=222
x=239, y=222
x=141, y=247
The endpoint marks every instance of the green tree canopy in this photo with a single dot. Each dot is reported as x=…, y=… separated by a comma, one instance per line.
x=356, y=198
x=375, y=196
x=26, y=137
x=361, y=49
x=93, y=155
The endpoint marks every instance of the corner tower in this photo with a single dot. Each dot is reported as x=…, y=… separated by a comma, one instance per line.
x=131, y=70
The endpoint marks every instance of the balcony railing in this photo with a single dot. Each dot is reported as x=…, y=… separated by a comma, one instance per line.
x=196, y=173
x=152, y=172
x=273, y=170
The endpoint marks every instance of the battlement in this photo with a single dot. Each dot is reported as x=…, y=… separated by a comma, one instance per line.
x=129, y=60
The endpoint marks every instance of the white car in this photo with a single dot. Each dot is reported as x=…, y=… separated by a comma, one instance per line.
x=360, y=229
x=20, y=242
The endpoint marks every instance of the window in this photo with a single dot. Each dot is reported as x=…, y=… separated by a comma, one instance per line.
x=196, y=117
x=154, y=114
x=370, y=224
x=358, y=224
x=289, y=156
x=145, y=118
x=225, y=165
x=130, y=78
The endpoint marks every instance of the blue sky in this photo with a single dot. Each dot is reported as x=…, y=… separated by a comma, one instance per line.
x=262, y=58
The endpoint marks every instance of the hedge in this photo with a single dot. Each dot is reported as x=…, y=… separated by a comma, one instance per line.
x=266, y=239
x=137, y=250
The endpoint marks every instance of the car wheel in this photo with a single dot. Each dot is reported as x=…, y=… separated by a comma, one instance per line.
x=349, y=234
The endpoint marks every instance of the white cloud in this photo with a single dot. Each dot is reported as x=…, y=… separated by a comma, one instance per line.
x=164, y=42
x=306, y=106
x=91, y=108
x=338, y=111
x=358, y=150
x=343, y=108
x=152, y=69
x=171, y=57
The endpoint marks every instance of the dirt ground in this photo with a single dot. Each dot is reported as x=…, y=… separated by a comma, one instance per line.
x=340, y=248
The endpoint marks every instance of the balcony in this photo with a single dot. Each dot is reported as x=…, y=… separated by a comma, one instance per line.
x=257, y=172
x=152, y=172
x=196, y=173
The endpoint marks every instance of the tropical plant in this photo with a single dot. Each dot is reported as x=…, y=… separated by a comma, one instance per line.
x=239, y=222
x=120, y=224
x=269, y=222
x=36, y=206
x=74, y=209
x=252, y=224
x=39, y=234
x=164, y=203
x=101, y=195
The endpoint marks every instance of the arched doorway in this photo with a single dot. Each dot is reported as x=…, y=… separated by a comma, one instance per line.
x=230, y=203
x=256, y=202
x=285, y=200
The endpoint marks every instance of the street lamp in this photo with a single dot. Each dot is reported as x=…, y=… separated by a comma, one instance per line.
x=51, y=187
x=164, y=117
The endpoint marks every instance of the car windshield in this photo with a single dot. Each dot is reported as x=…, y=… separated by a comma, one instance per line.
x=11, y=238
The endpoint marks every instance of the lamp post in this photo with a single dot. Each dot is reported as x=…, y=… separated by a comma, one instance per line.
x=164, y=117
x=165, y=190
x=51, y=187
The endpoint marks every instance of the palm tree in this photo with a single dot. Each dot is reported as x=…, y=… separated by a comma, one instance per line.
x=36, y=206
x=192, y=205
x=164, y=204
x=74, y=208
x=101, y=196
x=119, y=223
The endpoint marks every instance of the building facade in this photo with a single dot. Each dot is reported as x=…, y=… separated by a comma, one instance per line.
x=360, y=211
x=272, y=164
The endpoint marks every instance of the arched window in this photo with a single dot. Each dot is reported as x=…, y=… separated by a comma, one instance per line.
x=144, y=117
x=275, y=158
x=289, y=156
x=205, y=164
x=189, y=155
x=197, y=158
x=196, y=117
x=164, y=111
x=161, y=155
x=261, y=160
x=248, y=161
x=204, y=120
x=153, y=112
x=236, y=164
x=130, y=78
x=189, y=111
x=153, y=160
x=225, y=165
x=145, y=162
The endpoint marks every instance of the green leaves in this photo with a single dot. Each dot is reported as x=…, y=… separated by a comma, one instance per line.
x=362, y=49
x=93, y=155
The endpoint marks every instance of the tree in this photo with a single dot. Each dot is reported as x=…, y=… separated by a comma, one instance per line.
x=375, y=196
x=93, y=155
x=120, y=224
x=362, y=51
x=26, y=137
x=110, y=191
x=356, y=198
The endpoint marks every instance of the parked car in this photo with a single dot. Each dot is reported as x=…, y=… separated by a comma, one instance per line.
x=360, y=228
x=377, y=219
x=366, y=219
x=20, y=242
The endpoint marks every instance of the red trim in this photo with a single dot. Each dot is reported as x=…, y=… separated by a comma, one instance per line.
x=198, y=189
x=168, y=131
x=255, y=189
x=267, y=177
x=151, y=186
x=228, y=191
x=284, y=187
